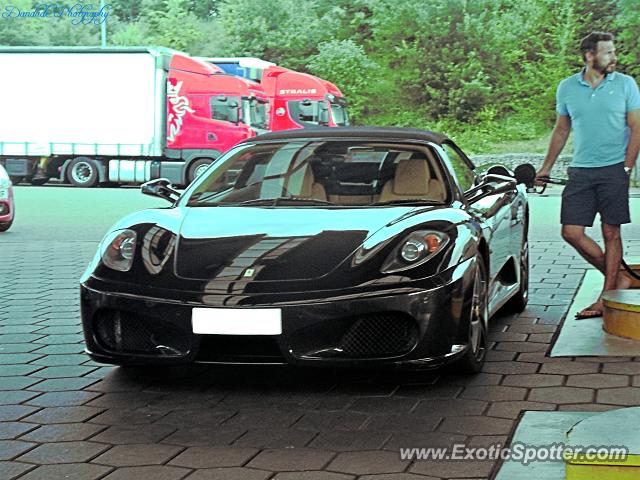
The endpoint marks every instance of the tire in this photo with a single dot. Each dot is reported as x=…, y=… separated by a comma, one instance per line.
x=82, y=172
x=518, y=302
x=4, y=226
x=39, y=181
x=474, y=357
x=16, y=180
x=197, y=167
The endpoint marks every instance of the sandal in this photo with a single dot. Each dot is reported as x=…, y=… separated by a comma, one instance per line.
x=592, y=311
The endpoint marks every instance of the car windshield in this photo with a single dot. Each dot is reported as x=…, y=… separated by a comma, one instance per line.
x=330, y=174
x=3, y=174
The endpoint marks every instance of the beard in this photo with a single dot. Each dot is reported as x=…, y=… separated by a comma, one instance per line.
x=604, y=68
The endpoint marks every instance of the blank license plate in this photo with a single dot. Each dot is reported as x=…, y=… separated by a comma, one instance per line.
x=237, y=321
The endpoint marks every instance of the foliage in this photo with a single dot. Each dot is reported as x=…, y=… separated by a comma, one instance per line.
x=173, y=25
x=347, y=65
x=481, y=70
x=286, y=32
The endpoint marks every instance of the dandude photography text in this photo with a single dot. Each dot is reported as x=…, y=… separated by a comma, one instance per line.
x=79, y=14
x=519, y=452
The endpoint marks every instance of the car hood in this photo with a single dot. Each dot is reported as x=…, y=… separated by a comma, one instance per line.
x=270, y=244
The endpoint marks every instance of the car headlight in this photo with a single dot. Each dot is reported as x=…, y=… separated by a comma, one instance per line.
x=415, y=249
x=118, y=250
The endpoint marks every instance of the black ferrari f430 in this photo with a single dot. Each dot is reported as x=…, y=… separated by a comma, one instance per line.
x=331, y=247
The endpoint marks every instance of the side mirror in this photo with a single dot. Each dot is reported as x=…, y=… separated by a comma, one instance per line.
x=526, y=174
x=491, y=184
x=160, y=187
x=323, y=116
x=234, y=112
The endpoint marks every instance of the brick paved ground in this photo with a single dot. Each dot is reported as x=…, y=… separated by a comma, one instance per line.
x=63, y=416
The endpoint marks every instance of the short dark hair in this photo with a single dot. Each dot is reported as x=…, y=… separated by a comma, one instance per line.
x=590, y=42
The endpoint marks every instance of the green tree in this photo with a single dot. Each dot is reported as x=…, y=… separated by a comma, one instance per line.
x=19, y=31
x=346, y=64
x=627, y=22
x=129, y=33
x=286, y=32
x=172, y=26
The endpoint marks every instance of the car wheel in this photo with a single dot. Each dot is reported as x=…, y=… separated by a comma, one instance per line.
x=519, y=301
x=479, y=315
x=82, y=172
x=197, y=168
x=4, y=226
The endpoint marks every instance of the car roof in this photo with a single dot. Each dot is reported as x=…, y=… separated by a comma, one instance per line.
x=341, y=133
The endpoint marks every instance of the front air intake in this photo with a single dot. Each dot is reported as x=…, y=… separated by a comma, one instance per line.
x=379, y=335
x=129, y=333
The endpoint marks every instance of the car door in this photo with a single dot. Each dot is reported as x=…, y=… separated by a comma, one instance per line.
x=494, y=212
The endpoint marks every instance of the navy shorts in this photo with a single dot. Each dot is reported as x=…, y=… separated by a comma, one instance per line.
x=603, y=190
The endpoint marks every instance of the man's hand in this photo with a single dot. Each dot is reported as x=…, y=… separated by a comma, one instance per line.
x=558, y=139
x=543, y=172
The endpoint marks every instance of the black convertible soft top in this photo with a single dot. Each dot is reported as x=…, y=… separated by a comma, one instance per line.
x=385, y=133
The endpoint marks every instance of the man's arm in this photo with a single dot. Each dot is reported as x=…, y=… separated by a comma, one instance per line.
x=558, y=140
x=633, y=120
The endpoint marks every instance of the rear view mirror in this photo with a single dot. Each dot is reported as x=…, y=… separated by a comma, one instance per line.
x=161, y=188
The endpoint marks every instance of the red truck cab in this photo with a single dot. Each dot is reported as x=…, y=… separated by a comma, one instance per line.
x=209, y=111
x=296, y=100
x=300, y=100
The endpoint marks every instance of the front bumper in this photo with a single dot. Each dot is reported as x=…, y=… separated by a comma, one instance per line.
x=396, y=327
x=7, y=208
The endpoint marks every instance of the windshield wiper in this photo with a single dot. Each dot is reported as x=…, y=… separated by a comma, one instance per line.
x=414, y=201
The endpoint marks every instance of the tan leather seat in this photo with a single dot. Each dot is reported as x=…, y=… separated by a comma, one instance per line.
x=310, y=188
x=412, y=181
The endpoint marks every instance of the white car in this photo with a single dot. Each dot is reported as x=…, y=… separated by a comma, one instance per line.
x=7, y=204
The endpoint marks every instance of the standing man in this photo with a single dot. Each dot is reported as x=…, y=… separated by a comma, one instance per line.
x=602, y=107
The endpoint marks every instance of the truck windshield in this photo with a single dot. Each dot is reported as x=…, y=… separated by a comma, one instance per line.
x=309, y=112
x=255, y=113
x=225, y=108
x=339, y=113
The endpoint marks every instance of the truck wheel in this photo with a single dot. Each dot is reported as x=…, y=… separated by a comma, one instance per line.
x=197, y=167
x=82, y=172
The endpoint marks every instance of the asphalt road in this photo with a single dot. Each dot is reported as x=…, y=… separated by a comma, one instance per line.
x=57, y=213
x=65, y=416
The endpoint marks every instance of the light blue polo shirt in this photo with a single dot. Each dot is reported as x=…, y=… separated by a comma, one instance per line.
x=598, y=117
